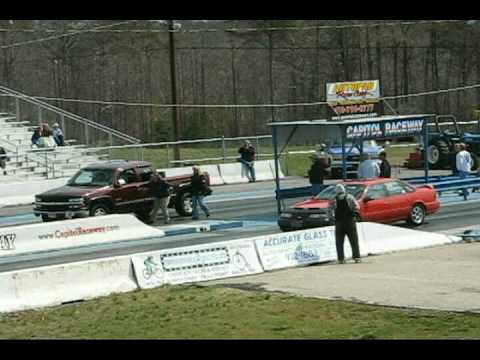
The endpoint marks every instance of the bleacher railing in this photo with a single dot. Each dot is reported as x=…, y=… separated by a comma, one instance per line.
x=66, y=115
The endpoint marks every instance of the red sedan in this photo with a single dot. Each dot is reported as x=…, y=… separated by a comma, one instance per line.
x=384, y=200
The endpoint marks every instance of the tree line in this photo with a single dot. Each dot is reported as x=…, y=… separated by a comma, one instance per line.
x=277, y=64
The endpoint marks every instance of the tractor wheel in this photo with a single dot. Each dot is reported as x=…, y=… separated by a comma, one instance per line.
x=475, y=161
x=438, y=154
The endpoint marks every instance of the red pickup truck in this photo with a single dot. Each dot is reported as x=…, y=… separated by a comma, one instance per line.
x=112, y=187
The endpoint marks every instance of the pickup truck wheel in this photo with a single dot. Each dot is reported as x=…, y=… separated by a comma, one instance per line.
x=183, y=204
x=99, y=210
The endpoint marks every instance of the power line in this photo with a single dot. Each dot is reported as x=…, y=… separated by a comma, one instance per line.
x=231, y=106
x=250, y=29
x=63, y=35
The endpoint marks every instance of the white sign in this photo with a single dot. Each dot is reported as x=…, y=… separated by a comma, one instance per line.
x=297, y=248
x=196, y=263
x=57, y=235
x=353, y=92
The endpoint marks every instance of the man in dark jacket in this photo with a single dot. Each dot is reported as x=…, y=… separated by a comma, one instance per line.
x=316, y=174
x=161, y=190
x=247, y=158
x=3, y=160
x=346, y=209
x=385, y=170
x=199, y=188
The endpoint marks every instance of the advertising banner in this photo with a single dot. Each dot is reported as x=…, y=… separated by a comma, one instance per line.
x=353, y=92
x=196, y=263
x=385, y=129
x=57, y=235
x=353, y=99
x=298, y=248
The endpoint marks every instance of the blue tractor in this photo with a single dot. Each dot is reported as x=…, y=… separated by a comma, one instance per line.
x=441, y=143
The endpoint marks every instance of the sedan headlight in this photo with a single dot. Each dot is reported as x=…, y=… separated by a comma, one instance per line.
x=286, y=215
x=38, y=199
x=317, y=216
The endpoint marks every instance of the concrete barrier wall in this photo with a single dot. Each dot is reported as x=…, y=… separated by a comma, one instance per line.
x=196, y=263
x=232, y=173
x=263, y=171
x=73, y=233
x=54, y=285
x=379, y=239
x=24, y=192
x=214, y=173
x=272, y=168
x=179, y=171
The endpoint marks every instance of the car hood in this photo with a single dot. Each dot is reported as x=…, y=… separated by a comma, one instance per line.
x=69, y=191
x=312, y=204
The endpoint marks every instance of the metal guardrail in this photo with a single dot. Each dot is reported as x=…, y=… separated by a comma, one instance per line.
x=65, y=114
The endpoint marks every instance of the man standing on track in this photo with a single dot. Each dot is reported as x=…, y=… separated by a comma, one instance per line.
x=346, y=209
x=464, y=165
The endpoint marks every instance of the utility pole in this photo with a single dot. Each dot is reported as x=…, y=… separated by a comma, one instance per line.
x=176, y=150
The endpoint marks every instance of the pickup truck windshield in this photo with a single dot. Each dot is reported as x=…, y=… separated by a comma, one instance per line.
x=92, y=177
x=329, y=192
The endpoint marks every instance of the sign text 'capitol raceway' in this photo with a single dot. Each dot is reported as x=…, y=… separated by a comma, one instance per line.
x=372, y=130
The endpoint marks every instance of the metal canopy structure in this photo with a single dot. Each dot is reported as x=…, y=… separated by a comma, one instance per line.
x=346, y=131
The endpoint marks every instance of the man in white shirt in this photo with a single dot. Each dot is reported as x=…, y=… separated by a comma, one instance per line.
x=368, y=168
x=464, y=164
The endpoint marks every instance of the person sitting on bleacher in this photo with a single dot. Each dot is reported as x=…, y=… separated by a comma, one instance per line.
x=58, y=135
x=36, y=136
x=3, y=160
x=46, y=137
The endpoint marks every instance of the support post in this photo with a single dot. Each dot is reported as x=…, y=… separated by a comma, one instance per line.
x=344, y=170
x=17, y=109
x=39, y=116
x=224, y=149
x=64, y=129
x=173, y=84
x=110, y=139
x=86, y=135
x=425, y=149
x=168, y=155
x=277, y=179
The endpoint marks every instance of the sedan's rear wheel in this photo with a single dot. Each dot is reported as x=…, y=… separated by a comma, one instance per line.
x=417, y=215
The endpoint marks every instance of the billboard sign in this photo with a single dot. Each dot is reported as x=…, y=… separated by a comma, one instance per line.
x=353, y=99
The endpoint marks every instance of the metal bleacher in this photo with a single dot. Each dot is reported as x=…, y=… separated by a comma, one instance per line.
x=30, y=164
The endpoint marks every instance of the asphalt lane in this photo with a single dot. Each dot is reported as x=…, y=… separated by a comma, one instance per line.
x=245, y=202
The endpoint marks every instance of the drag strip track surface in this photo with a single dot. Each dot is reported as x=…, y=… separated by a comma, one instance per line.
x=258, y=205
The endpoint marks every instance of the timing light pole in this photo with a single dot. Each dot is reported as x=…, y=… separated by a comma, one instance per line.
x=171, y=29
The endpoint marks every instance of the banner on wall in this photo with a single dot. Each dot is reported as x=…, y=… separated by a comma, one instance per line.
x=297, y=248
x=196, y=263
x=385, y=129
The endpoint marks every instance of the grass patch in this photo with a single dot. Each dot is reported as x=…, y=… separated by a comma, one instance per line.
x=224, y=313
x=293, y=165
